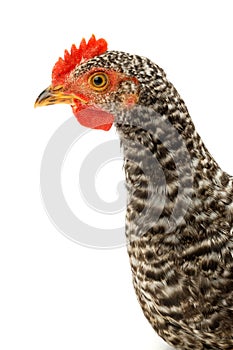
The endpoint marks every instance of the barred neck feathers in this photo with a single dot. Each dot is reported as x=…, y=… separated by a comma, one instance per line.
x=165, y=155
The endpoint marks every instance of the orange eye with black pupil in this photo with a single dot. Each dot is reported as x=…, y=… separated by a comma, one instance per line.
x=98, y=81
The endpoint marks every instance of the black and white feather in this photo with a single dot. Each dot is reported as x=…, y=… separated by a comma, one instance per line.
x=179, y=221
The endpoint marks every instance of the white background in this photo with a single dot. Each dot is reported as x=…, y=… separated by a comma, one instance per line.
x=56, y=294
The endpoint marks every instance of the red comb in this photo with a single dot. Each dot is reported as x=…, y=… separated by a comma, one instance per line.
x=85, y=51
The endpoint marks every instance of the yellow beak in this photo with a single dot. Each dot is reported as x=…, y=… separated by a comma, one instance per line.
x=53, y=95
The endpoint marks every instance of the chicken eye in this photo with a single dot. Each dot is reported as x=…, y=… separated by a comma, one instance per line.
x=98, y=81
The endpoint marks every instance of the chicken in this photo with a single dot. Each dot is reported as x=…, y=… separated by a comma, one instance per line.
x=179, y=220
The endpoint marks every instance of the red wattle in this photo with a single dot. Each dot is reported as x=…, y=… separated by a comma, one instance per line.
x=93, y=117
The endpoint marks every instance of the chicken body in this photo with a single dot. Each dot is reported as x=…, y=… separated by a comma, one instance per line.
x=179, y=220
x=182, y=272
